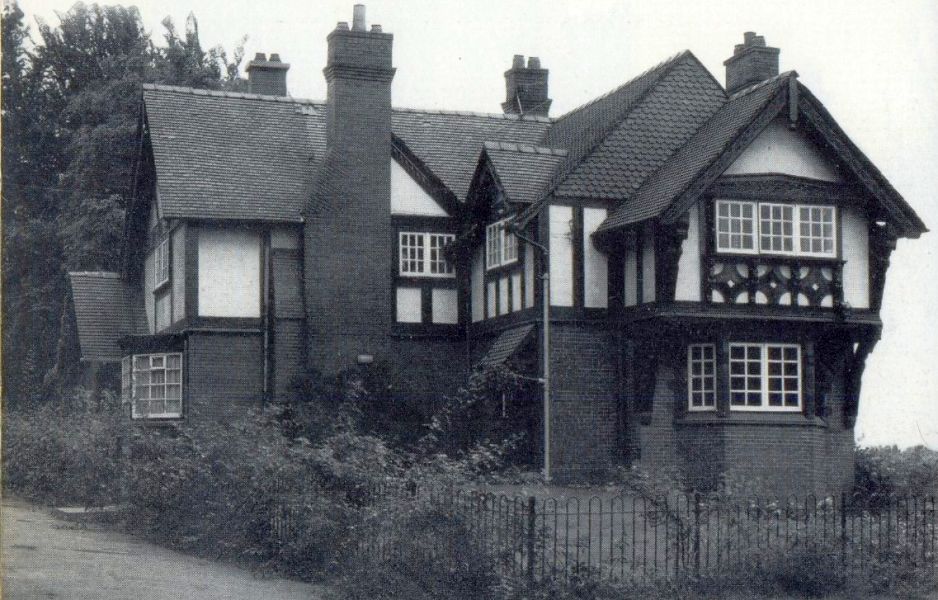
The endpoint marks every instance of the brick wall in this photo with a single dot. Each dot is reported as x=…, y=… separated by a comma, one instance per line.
x=584, y=402
x=224, y=374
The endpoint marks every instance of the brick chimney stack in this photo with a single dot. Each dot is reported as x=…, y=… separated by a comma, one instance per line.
x=359, y=73
x=267, y=77
x=752, y=62
x=526, y=88
x=348, y=233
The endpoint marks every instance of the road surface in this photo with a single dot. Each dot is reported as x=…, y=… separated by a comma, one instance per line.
x=44, y=557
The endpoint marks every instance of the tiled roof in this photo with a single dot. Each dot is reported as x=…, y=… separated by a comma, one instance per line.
x=449, y=142
x=706, y=145
x=226, y=155
x=618, y=140
x=523, y=171
x=233, y=156
x=106, y=309
x=505, y=345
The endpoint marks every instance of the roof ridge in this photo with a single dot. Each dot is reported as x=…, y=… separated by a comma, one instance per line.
x=648, y=71
x=469, y=113
x=748, y=90
x=228, y=94
x=293, y=100
x=525, y=148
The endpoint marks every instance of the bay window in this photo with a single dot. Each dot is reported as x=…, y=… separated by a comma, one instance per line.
x=791, y=229
x=501, y=246
x=152, y=384
x=761, y=377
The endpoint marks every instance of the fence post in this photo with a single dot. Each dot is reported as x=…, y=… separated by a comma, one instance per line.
x=843, y=531
x=696, y=534
x=532, y=519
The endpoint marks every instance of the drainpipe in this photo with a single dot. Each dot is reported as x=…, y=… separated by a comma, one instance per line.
x=545, y=331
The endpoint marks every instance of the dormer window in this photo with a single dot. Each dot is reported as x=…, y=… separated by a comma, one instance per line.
x=161, y=264
x=501, y=246
x=421, y=254
x=791, y=229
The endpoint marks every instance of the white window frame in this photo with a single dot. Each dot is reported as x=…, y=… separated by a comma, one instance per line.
x=132, y=383
x=754, y=225
x=501, y=246
x=708, y=380
x=161, y=264
x=430, y=251
x=757, y=226
x=764, y=377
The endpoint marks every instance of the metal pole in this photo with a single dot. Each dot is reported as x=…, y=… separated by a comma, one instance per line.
x=545, y=331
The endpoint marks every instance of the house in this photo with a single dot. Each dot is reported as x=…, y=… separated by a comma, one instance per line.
x=715, y=258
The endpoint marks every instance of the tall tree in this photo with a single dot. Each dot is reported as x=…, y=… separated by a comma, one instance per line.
x=71, y=108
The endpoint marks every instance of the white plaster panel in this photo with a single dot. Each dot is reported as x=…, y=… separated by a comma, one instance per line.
x=148, y=290
x=445, y=306
x=778, y=149
x=648, y=265
x=528, y=275
x=477, y=291
x=178, y=274
x=490, y=300
x=408, y=198
x=631, y=278
x=229, y=273
x=516, y=300
x=409, y=308
x=503, y=301
x=688, y=265
x=856, y=254
x=595, y=263
x=560, y=220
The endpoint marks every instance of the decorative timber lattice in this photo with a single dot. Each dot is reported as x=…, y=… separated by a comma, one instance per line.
x=778, y=282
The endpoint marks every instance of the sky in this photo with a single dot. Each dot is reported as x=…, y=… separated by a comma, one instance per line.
x=873, y=63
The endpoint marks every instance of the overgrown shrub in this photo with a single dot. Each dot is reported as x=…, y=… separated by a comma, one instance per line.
x=244, y=491
x=885, y=472
x=64, y=452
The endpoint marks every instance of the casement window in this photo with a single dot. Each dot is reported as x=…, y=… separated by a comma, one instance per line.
x=762, y=377
x=421, y=254
x=161, y=264
x=793, y=229
x=501, y=246
x=152, y=384
x=701, y=377
x=765, y=377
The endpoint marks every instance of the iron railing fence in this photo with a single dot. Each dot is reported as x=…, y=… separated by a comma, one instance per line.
x=621, y=536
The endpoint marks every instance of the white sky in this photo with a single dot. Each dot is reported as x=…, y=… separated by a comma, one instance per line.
x=874, y=64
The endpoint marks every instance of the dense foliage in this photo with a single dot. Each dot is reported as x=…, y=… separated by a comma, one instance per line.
x=70, y=112
x=884, y=472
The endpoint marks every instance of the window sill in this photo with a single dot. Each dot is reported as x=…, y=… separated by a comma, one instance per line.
x=691, y=419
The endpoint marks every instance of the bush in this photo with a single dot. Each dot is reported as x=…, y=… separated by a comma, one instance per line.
x=884, y=473
x=244, y=491
x=64, y=453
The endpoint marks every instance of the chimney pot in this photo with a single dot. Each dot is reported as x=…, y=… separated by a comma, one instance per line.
x=342, y=26
x=526, y=88
x=267, y=77
x=752, y=62
x=375, y=29
x=358, y=17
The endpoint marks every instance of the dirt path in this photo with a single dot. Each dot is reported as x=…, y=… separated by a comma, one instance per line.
x=44, y=557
